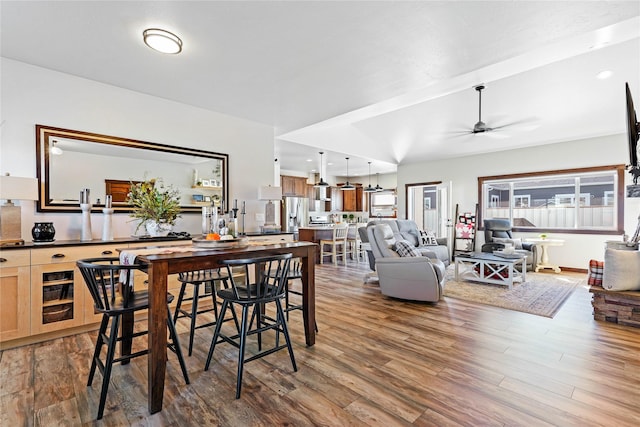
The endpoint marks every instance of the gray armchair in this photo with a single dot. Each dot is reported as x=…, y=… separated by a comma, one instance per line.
x=412, y=278
x=497, y=232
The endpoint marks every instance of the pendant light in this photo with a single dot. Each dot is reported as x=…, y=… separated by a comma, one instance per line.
x=322, y=182
x=347, y=186
x=369, y=188
x=378, y=188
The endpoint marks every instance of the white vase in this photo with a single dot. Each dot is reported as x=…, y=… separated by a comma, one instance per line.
x=157, y=229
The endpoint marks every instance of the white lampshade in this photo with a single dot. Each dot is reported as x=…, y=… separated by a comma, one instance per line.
x=267, y=192
x=18, y=188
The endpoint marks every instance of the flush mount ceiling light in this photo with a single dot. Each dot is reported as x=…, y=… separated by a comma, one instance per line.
x=55, y=150
x=347, y=186
x=369, y=188
x=162, y=41
x=322, y=182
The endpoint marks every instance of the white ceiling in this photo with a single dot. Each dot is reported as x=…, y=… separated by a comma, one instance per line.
x=382, y=81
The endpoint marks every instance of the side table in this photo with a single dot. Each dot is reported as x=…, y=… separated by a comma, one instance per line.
x=544, y=254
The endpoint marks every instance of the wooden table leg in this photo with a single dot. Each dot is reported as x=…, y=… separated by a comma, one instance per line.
x=309, y=295
x=157, y=359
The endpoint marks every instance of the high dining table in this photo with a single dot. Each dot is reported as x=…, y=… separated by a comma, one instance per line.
x=160, y=265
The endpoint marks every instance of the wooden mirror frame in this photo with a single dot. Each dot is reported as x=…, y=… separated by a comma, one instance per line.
x=44, y=135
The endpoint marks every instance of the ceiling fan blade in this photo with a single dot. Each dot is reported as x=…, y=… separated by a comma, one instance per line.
x=526, y=124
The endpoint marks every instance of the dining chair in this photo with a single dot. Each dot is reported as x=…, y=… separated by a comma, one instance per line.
x=338, y=245
x=267, y=289
x=203, y=284
x=111, y=287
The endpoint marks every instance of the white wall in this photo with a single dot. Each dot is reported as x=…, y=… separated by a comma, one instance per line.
x=464, y=172
x=31, y=95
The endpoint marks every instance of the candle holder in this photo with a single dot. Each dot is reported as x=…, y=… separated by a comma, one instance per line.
x=86, y=222
x=107, y=225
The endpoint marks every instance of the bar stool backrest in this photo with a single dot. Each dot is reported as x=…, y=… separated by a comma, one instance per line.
x=271, y=280
x=107, y=281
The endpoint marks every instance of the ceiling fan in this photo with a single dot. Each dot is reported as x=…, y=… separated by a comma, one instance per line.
x=481, y=127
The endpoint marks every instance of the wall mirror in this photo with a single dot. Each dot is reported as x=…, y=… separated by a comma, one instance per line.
x=69, y=161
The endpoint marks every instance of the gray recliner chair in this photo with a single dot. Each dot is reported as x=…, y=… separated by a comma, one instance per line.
x=412, y=278
x=497, y=232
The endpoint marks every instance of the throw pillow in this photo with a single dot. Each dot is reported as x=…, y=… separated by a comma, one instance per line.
x=404, y=249
x=621, y=270
x=516, y=243
x=596, y=271
x=427, y=238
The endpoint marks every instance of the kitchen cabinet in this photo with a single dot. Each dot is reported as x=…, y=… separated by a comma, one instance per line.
x=56, y=297
x=335, y=204
x=352, y=200
x=15, y=294
x=59, y=298
x=311, y=195
x=293, y=186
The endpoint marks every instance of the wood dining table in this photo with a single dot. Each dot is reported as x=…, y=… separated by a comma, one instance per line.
x=160, y=265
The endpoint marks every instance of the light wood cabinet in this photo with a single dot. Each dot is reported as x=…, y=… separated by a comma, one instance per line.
x=59, y=297
x=56, y=297
x=15, y=294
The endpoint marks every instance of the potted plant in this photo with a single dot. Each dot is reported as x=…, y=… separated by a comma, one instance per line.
x=155, y=206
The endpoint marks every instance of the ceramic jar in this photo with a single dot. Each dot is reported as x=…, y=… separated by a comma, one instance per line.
x=43, y=232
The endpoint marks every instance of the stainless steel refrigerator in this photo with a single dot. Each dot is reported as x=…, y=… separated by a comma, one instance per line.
x=295, y=214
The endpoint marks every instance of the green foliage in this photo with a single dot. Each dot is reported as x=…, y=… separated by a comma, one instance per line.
x=151, y=200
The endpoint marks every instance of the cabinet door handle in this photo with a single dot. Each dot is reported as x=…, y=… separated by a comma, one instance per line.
x=58, y=256
x=107, y=252
x=3, y=260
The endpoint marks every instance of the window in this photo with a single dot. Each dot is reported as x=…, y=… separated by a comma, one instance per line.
x=586, y=200
x=383, y=204
x=522, y=201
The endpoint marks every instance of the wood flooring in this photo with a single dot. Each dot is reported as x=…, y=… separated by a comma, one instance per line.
x=376, y=361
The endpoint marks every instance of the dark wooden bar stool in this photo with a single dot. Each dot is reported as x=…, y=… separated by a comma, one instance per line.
x=204, y=286
x=111, y=287
x=268, y=288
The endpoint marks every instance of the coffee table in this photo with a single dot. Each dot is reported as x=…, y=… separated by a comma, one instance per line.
x=485, y=267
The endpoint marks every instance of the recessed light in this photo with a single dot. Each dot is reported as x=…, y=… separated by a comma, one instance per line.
x=162, y=40
x=604, y=74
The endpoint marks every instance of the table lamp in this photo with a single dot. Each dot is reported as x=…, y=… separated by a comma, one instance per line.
x=269, y=193
x=14, y=188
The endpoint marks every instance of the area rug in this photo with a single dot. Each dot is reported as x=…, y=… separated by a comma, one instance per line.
x=541, y=294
